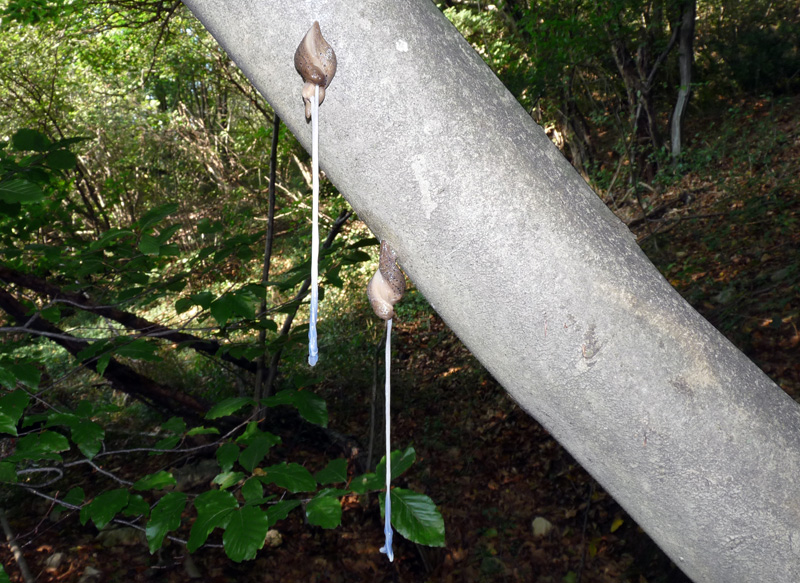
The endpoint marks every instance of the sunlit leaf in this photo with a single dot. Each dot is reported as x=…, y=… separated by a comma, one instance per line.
x=227, y=479
x=156, y=481
x=416, y=517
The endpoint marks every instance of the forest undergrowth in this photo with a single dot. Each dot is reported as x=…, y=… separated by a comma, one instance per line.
x=724, y=231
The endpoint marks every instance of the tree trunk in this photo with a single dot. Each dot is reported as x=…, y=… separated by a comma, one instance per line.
x=685, y=59
x=539, y=279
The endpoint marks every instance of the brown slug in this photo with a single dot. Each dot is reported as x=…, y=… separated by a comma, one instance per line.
x=315, y=60
x=388, y=284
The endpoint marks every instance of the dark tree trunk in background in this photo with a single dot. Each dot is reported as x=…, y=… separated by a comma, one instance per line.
x=685, y=60
x=539, y=279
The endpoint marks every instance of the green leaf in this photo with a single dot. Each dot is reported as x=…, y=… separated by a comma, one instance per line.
x=355, y=257
x=52, y=314
x=30, y=140
x=139, y=349
x=104, y=507
x=222, y=308
x=227, y=479
x=155, y=215
x=27, y=374
x=416, y=517
x=7, y=378
x=61, y=160
x=159, y=480
x=43, y=446
x=88, y=436
x=75, y=496
x=214, y=509
x=102, y=363
x=4, y=576
x=182, y=305
x=8, y=472
x=293, y=477
x=257, y=450
x=334, y=473
x=245, y=533
x=281, y=510
x=228, y=407
x=616, y=524
x=324, y=511
x=202, y=431
x=136, y=506
x=301, y=380
x=203, y=299
x=252, y=490
x=249, y=434
x=165, y=516
x=166, y=234
x=149, y=245
x=12, y=406
x=401, y=461
x=243, y=303
x=227, y=454
x=167, y=443
x=92, y=350
x=109, y=237
x=174, y=425
x=20, y=191
x=206, y=227
x=311, y=407
x=367, y=483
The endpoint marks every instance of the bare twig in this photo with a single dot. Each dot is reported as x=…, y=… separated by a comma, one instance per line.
x=12, y=543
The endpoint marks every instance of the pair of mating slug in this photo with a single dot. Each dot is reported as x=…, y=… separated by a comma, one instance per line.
x=315, y=60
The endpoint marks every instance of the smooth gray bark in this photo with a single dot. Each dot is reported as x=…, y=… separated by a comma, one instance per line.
x=539, y=279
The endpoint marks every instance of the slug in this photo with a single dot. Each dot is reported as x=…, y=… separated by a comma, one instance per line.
x=388, y=284
x=315, y=60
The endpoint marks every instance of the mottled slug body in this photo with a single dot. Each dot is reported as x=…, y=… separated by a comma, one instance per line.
x=388, y=284
x=315, y=60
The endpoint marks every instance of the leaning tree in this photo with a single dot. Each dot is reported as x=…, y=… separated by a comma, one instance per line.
x=539, y=279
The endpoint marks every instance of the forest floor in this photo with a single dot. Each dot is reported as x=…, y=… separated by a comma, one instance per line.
x=726, y=236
